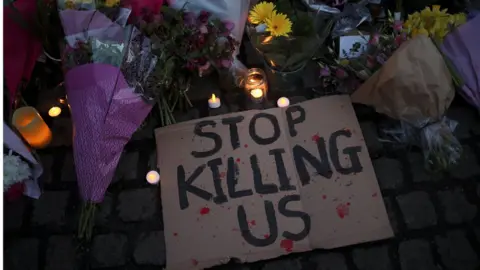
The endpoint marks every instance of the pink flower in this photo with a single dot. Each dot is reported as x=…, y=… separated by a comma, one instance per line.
x=400, y=39
x=370, y=61
x=324, y=72
x=226, y=63
x=397, y=26
x=229, y=25
x=15, y=191
x=340, y=73
x=203, y=17
x=374, y=39
x=143, y=7
x=203, y=29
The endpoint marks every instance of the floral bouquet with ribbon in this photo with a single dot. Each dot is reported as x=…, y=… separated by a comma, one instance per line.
x=106, y=65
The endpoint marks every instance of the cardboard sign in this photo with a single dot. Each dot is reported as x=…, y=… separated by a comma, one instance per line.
x=261, y=184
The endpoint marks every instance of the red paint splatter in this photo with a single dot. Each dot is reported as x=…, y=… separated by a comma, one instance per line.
x=238, y=160
x=253, y=223
x=266, y=235
x=246, y=145
x=348, y=203
x=287, y=244
x=374, y=194
x=324, y=197
x=343, y=210
x=235, y=230
x=315, y=138
x=194, y=262
x=204, y=211
x=222, y=174
x=228, y=208
x=175, y=234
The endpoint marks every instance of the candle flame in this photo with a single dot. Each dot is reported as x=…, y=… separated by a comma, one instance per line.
x=256, y=93
x=54, y=111
x=214, y=98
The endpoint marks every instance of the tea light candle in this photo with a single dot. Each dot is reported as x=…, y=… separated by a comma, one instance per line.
x=283, y=102
x=257, y=95
x=256, y=79
x=32, y=127
x=54, y=111
x=153, y=177
x=214, y=102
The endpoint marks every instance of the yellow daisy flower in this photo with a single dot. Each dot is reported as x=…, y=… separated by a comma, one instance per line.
x=261, y=12
x=279, y=25
x=111, y=3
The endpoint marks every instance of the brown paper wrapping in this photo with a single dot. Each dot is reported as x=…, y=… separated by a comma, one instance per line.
x=413, y=85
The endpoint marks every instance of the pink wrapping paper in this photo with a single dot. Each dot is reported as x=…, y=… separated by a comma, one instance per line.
x=106, y=112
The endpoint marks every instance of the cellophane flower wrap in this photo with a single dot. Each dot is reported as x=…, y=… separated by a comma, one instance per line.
x=106, y=65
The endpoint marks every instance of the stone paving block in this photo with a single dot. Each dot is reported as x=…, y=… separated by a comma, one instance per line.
x=468, y=121
x=285, y=264
x=370, y=134
x=22, y=255
x=109, y=250
x=150, y=249
x=127, y=167
x=47, y=164
x=457, y=208
x=417, y=209
x=391, y=214
x=68, y=169
x=13, y=214
x=330, y=261
x=419, y=174
x=61, y=253
x=389, y=173
x=416, y=255
x=456, y=252
x=375, y=258
x=104, y=210
x=468, y=165
x=50, y=208
x=137, y=205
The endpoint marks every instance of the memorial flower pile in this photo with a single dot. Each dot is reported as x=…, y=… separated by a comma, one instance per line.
x=15, y=172
x=186, y=45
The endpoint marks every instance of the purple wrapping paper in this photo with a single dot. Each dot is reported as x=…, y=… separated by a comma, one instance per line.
x=106, y=112
x=462, y=47
x=14, y=143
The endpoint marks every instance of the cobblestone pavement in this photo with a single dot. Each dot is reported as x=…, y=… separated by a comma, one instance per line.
x=436, y=218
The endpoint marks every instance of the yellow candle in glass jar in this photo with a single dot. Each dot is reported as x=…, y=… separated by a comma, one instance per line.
x=32, y=127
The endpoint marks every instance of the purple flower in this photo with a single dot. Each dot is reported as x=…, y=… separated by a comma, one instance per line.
x=324, y=72
x=203, y=17
x=189, y=18
x=381, y=59
x=226, y=63
x=229, y=25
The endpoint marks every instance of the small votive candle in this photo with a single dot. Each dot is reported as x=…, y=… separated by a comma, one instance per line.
x=283, y=102
x=257, y=95
x=32, y=127
x=256, y=79
x=54, y=111
x=214, y=102
x=153, y=177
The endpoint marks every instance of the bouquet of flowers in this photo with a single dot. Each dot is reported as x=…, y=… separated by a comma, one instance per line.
x=20, y=168
x=185, y=45
x=107, y=67
x=461, y=48
x=286, y=37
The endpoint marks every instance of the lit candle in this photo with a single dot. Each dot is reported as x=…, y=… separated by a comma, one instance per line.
x=32, y=127
x=153, y=177
x=283, y=102
x=214, y=102
x=54, y=111
x=256, y=79
x=257, y=95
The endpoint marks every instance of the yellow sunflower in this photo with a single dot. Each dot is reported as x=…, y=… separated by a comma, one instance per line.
x=261, y=12
x=278, y=24
x=111, y=3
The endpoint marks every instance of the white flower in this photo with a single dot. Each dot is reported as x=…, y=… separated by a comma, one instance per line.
x=15, y=170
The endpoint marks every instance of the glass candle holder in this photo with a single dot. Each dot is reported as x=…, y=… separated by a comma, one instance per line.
x=32, y=127
x=256, y=79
